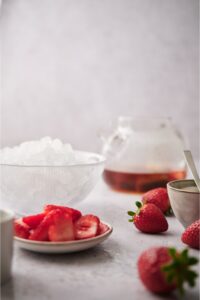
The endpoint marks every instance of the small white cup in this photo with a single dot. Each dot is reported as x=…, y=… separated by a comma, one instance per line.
x=6, y=244
x=185, y=203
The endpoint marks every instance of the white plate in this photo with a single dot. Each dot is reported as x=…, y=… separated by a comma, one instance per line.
x=63, y=247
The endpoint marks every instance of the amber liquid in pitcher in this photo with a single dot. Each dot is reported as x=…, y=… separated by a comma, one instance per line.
x=140, y=182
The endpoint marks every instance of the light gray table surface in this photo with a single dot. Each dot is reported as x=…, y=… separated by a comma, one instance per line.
x=108, y=271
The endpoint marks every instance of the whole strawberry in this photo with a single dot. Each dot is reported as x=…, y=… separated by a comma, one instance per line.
x=191, y=235
x=159, y=197
x=148, y=218
x=163, y=269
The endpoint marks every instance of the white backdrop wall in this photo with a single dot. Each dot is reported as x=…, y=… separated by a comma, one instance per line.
x=69, y=66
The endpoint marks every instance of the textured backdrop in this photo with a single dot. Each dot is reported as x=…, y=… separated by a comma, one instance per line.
x=69, y=66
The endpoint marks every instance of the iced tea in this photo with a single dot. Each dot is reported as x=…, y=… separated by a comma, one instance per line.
x=140, y=182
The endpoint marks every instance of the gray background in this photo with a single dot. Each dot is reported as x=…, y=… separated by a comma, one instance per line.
x=70, y=66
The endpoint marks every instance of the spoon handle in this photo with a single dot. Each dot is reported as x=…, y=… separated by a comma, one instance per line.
x=192, y=167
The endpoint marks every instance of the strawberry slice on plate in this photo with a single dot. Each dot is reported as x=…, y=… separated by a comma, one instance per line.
x=102, y=228
x=21, y=229
x=62, y=228
x=41, y=232
x=86, y=227
x=76, y=214
x=34, y=220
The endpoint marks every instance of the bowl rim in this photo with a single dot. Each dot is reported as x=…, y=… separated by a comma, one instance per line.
x=101, y=160
x=169, y=185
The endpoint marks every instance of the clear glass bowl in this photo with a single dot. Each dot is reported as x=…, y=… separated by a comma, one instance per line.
x=26, y=189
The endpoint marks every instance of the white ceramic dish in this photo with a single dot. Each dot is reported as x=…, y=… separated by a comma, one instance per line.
x=63, y=247
x=185, y=200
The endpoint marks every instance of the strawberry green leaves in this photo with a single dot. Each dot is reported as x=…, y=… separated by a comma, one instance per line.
x=131, y=214
x=178, y=271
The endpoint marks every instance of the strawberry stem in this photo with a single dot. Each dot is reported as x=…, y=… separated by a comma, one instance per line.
x=169, y=212
x=132, y=213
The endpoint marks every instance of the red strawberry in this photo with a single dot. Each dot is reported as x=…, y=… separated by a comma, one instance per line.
x=41, y=232
x=191, y=235
x=62, y=228
x=21, y=229
x=87, y=227
x=102, y=228
x=34, y=220
x=158, y=197
x=149, y=218
x=163, y=269
x=76, y=214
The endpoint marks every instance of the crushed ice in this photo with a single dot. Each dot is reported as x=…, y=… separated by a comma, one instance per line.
x=44, y=152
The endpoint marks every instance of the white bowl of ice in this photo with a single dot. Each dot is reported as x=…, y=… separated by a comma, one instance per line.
x=36, y=173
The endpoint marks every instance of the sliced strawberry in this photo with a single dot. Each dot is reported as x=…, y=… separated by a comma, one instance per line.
x=86, y=227
x=34, y=220
x=102, y=228
x=62, y=228
x=76, y=214
x=41, y=232
x=21, y=229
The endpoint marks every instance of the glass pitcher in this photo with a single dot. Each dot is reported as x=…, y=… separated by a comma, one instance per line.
x=143, y=154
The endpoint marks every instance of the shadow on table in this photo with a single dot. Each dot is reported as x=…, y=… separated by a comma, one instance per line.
x=20, y=287
x=189, y=295
x=156, y=236
x=7, y=290
x=99, y=254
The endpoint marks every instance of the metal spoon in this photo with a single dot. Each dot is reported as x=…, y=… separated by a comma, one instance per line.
x=192, y=167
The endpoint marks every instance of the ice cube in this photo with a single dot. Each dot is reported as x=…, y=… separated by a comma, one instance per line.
x=57, y=145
